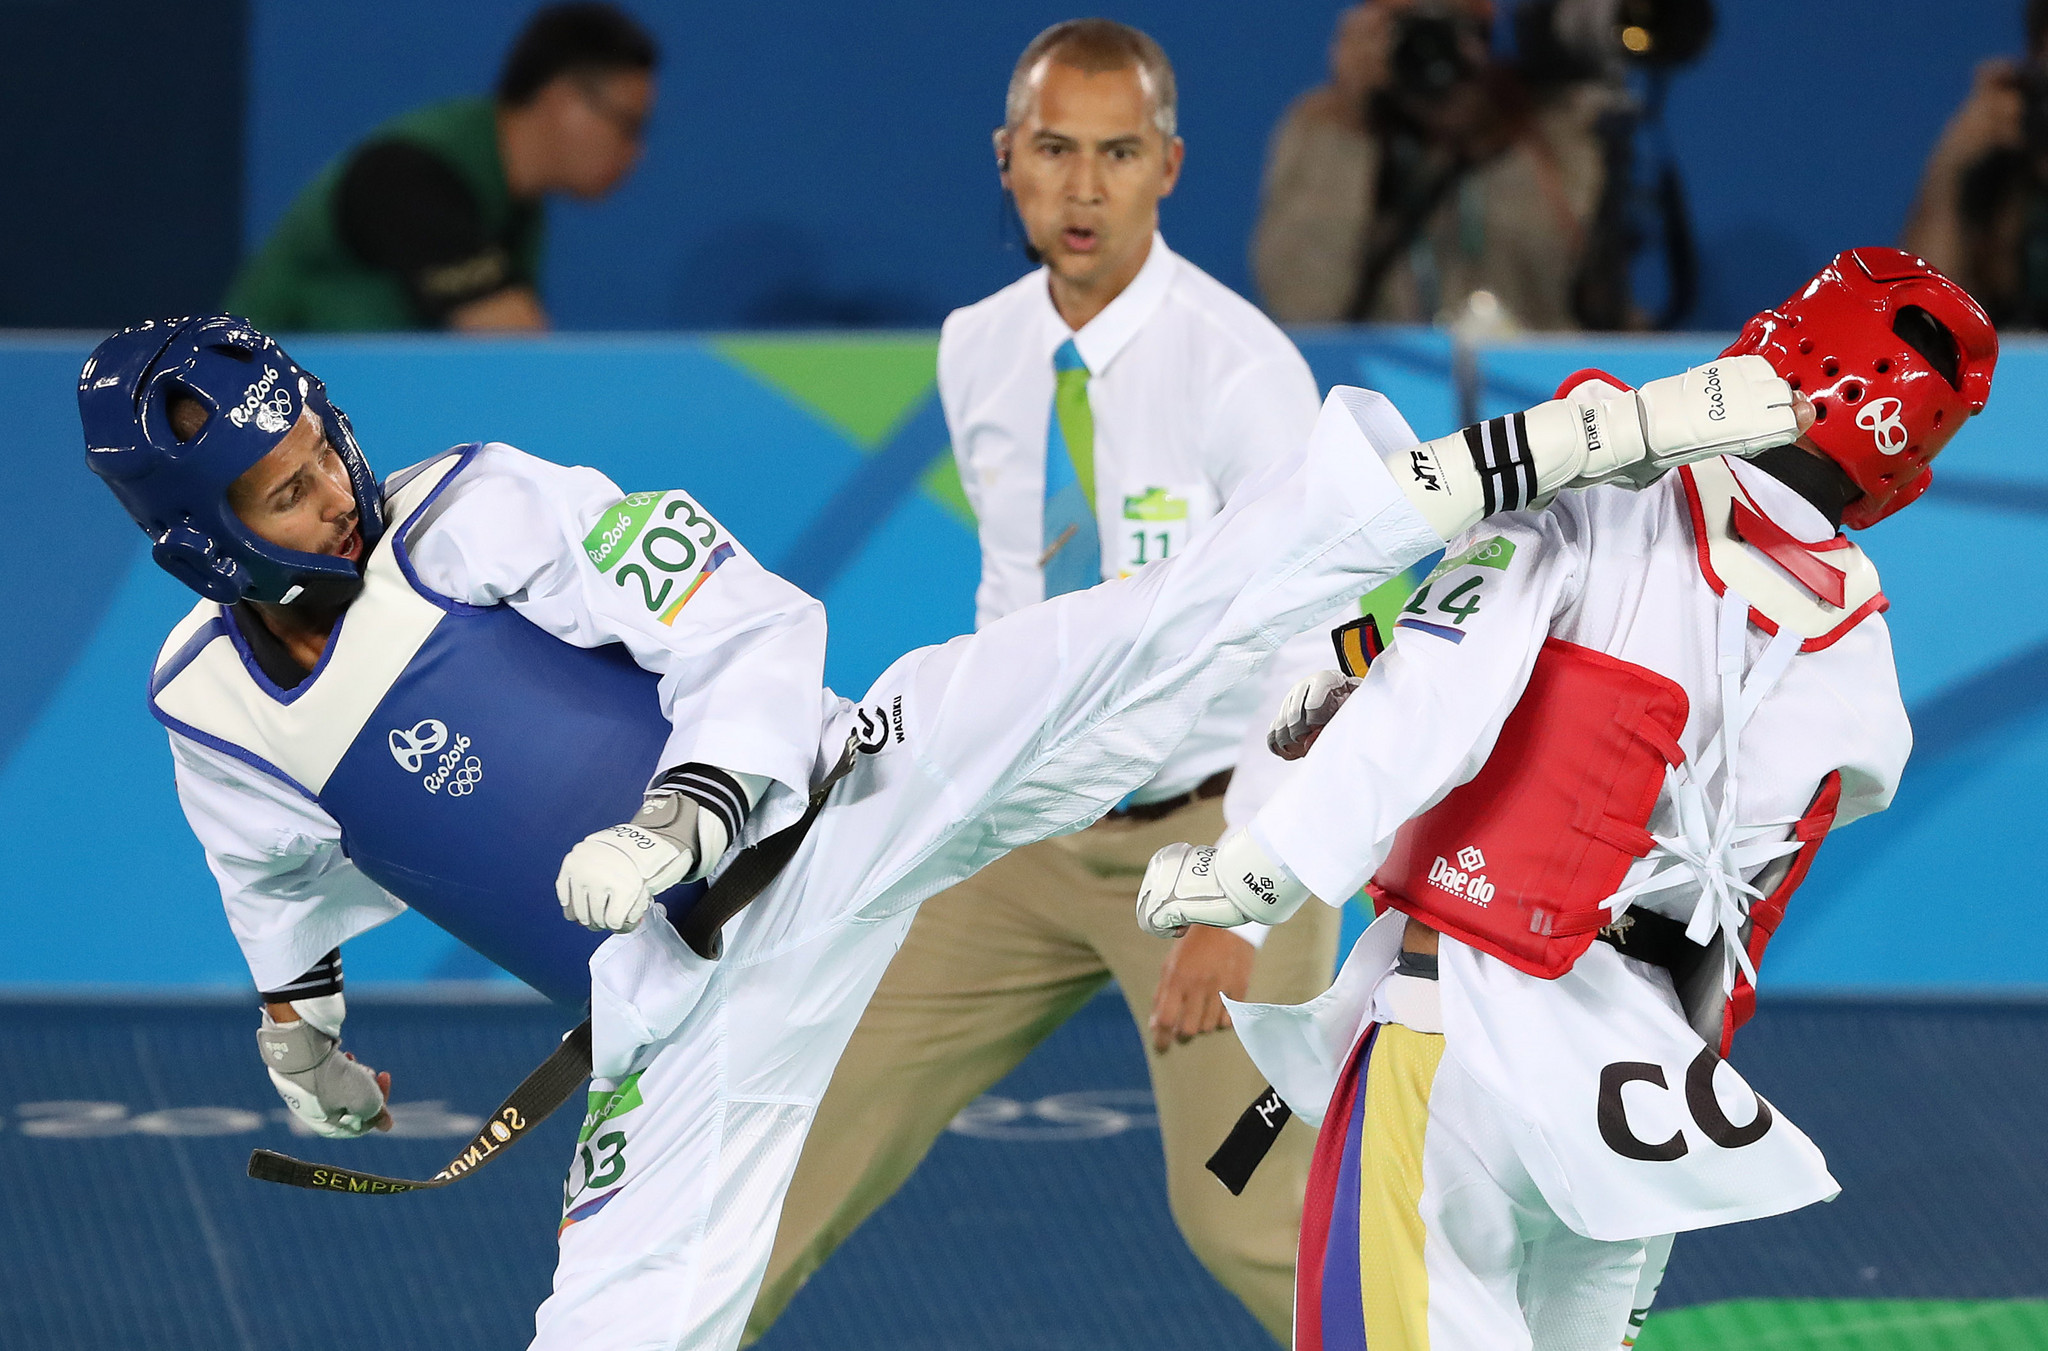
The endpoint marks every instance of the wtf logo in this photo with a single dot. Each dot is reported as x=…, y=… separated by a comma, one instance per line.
x=1880, y=417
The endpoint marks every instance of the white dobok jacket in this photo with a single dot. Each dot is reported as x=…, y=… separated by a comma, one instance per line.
x=735, y=661
x=1657, y=578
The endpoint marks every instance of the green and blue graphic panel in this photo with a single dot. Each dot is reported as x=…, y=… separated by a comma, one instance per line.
x=827, y=457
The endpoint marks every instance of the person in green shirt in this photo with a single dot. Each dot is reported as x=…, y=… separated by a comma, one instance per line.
x=436, y=220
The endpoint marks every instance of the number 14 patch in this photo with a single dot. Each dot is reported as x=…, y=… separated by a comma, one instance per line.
x=1460, y=600
x=663, y=553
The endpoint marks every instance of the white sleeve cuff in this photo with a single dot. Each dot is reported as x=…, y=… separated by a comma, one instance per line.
x=1254, y=934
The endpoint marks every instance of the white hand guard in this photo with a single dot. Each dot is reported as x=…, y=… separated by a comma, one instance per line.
x=1309, y=706
x=610, y=877
x=334, y=1095
x=1226, y=885
x=1736, y=405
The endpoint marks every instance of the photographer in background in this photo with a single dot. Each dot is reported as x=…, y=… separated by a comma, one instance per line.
x=1423, y=172
x=436, y=220
x=1427, y=171
x=1981, y=214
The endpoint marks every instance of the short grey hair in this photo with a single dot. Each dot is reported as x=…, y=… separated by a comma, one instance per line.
x=1096, y=45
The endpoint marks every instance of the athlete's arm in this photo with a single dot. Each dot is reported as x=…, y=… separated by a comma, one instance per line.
x=1426, y=715
x=290, y=893
x=1421, y=722
x=739, y=651
x=1734, y=405
x=326, y=1088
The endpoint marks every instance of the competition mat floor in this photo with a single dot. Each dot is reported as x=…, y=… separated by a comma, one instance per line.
x=1039, y=1221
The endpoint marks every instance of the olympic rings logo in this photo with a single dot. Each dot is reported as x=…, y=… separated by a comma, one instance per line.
x=465, y=779
x=456, y=770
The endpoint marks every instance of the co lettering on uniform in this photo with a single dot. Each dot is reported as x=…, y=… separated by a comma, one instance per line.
x=1701, y=1103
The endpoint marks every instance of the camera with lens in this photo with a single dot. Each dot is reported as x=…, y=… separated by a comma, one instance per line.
x=1433, y=53
x=1566, y=40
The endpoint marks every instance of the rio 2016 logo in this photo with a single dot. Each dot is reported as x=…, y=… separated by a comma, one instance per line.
x=411, y=748
x=1880, y=417
x=456, y=770
x=267, y=402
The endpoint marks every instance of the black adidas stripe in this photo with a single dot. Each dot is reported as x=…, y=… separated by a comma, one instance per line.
x=710, y=788
x=1524, y=458
x=1475, y=441
x=1500, y=456
x=322, y=978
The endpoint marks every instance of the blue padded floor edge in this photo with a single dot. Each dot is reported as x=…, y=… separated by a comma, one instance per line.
x=1040, y=1222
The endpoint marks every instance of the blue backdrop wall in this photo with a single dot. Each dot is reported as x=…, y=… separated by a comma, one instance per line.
x=815, y=163
x=821, y=455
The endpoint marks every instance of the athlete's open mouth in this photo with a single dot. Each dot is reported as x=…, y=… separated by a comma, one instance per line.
x=351, y=546
x=1079, y=239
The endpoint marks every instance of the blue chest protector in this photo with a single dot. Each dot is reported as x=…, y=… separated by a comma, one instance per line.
x=493, y=750
x=559, y=741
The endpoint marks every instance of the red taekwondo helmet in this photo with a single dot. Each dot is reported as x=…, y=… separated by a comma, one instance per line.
x=1895, y=357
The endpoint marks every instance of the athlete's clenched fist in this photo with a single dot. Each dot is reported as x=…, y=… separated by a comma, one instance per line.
x=1307, y=709
x=1226, y=885
x=611, y=876
x=335, y=1095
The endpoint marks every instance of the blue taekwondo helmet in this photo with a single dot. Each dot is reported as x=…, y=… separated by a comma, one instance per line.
x=177, y=491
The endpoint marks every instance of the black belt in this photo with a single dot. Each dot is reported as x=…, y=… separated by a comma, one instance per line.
x=1653, y=938
x=1213, y=786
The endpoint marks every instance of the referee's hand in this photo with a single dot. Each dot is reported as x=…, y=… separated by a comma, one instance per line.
x=1201, y=967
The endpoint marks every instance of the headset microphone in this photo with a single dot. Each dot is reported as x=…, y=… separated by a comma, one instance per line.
x=1031, y=254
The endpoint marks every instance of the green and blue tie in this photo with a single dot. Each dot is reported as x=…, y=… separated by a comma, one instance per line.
x=1072, y=559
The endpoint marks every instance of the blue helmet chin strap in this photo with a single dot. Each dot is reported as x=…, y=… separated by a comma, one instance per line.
x=177, y=491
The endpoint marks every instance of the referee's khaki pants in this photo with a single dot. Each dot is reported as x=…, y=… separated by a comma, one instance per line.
x=989, y=969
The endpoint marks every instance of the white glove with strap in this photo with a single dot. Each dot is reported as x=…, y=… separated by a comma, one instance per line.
x=1733, y=406
x=1225, y=885
x=685, y=824
x=334, y=1094
x=1306, y=710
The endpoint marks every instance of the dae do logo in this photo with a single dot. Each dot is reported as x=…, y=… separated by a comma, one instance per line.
x=1463, y=879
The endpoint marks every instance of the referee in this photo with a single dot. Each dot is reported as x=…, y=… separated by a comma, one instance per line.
x=1101, y=410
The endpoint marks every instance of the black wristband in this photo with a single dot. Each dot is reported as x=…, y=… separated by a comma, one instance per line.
x=1507, y=471
x=712, y=789
x=322, y=978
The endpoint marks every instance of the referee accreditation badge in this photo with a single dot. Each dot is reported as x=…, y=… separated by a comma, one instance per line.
x=1156, y=525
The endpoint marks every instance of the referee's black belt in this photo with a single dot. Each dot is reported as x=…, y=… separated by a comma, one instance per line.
x=1213, y=786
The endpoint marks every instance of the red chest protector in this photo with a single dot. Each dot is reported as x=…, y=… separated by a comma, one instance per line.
x=1517, y=861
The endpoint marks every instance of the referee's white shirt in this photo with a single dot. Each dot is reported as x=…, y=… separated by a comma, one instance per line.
x=1192, y=390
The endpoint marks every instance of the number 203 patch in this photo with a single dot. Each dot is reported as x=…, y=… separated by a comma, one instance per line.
x=660, y=544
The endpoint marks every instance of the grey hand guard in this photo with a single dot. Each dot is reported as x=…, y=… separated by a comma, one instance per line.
x=318, y=1083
